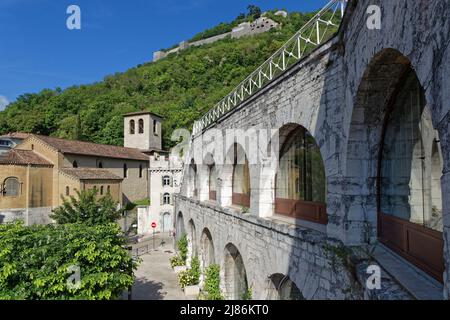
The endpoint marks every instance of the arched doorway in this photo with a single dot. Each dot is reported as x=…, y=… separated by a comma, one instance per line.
x=192, y=242
x=207, y=249
x=166, y=222
x=180, y=230
x=281, y=287
x=235, y=276
x=300, y=190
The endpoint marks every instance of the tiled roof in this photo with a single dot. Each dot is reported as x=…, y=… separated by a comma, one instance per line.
x=137, y=113
x=16, y=135
x=93, y=149
x=23, y=157
x=91, y=174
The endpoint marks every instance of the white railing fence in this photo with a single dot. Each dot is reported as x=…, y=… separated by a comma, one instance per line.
x=317, y=30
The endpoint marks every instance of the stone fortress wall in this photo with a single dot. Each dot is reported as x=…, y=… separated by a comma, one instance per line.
x=262, y=24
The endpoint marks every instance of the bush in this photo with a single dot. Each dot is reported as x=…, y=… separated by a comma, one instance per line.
x=212, y=283
x=195, y=269
x=86, y=207
x=191, y=276
x=176, y=261
x=42, y=262
x=247, y=294
x=182, y=246
x=185, y=278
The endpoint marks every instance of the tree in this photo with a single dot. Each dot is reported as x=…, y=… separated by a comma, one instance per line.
x=254, y=11
x=87, y=208
x=72, y=261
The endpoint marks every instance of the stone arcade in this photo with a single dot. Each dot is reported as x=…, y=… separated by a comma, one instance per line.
x=364, y=171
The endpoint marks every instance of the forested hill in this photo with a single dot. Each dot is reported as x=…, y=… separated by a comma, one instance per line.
x=180, y=87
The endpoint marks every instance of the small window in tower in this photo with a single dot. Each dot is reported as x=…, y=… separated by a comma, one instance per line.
x=32, y=147
x=101, y=190
x=155, y=127
x=125, y=170
x=67, y=191
x=141, y=126
x=100, y=164
x=108, y=189
x=140, y=171
x=75, y=164
x=132, y=126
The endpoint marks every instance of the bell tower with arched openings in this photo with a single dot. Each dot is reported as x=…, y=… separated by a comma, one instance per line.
x=142, y=130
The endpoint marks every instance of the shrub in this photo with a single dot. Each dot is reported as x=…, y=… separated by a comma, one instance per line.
x=191, y=276
x=176, y=261
x=182, y=245
x=212, y=283
x=195, y=269
x=247, y=294
x=39, y=262
x=186, y=278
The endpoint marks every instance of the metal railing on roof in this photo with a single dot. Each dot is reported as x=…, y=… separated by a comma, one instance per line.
x=316, y=31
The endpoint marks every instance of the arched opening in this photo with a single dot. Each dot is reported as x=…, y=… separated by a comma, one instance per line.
x=409, y=193
x=141, y=125
x=192, y=242
x=100, y=164
x=101, y=190
x=390, y=183
x=11, y=187
x=281, y=287
x=241, y=178
x=193, y=179
x=300, y=190
x=132, y=126
x=180, y=230
x=235, y=276
x=140, y=171
x=166, y=222
x=206, y=249
x=67, y=191
x=75, y=164
x=212, y=182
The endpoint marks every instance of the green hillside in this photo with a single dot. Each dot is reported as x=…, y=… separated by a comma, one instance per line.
x=180, y=88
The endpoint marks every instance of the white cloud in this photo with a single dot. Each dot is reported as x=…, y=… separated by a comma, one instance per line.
x=3, y=102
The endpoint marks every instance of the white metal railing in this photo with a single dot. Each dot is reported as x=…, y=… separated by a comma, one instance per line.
x=311, y=35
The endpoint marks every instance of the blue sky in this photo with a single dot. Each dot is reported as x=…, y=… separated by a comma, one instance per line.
x=37, y=50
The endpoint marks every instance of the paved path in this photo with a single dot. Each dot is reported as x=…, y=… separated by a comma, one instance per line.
x=155, y=279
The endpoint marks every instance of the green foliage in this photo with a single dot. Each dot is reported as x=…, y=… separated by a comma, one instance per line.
x=247, y=294
x=190, y=276
x=181, y=87
x=176, y=261
x=195, y=269
x=245, y=209
x=35, y=261
x=143, y=202
x=182, y=246
x=212, y=283
x=87, y=208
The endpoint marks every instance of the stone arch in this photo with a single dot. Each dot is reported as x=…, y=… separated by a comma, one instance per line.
x=192, y=242
x=180, y=230
x=383, y=171
x=281, y=287
x=300, y=184
x=234, y=283
x=381, y=79
x=207, y=254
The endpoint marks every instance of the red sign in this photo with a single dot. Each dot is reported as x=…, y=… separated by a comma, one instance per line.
x=153, y=225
